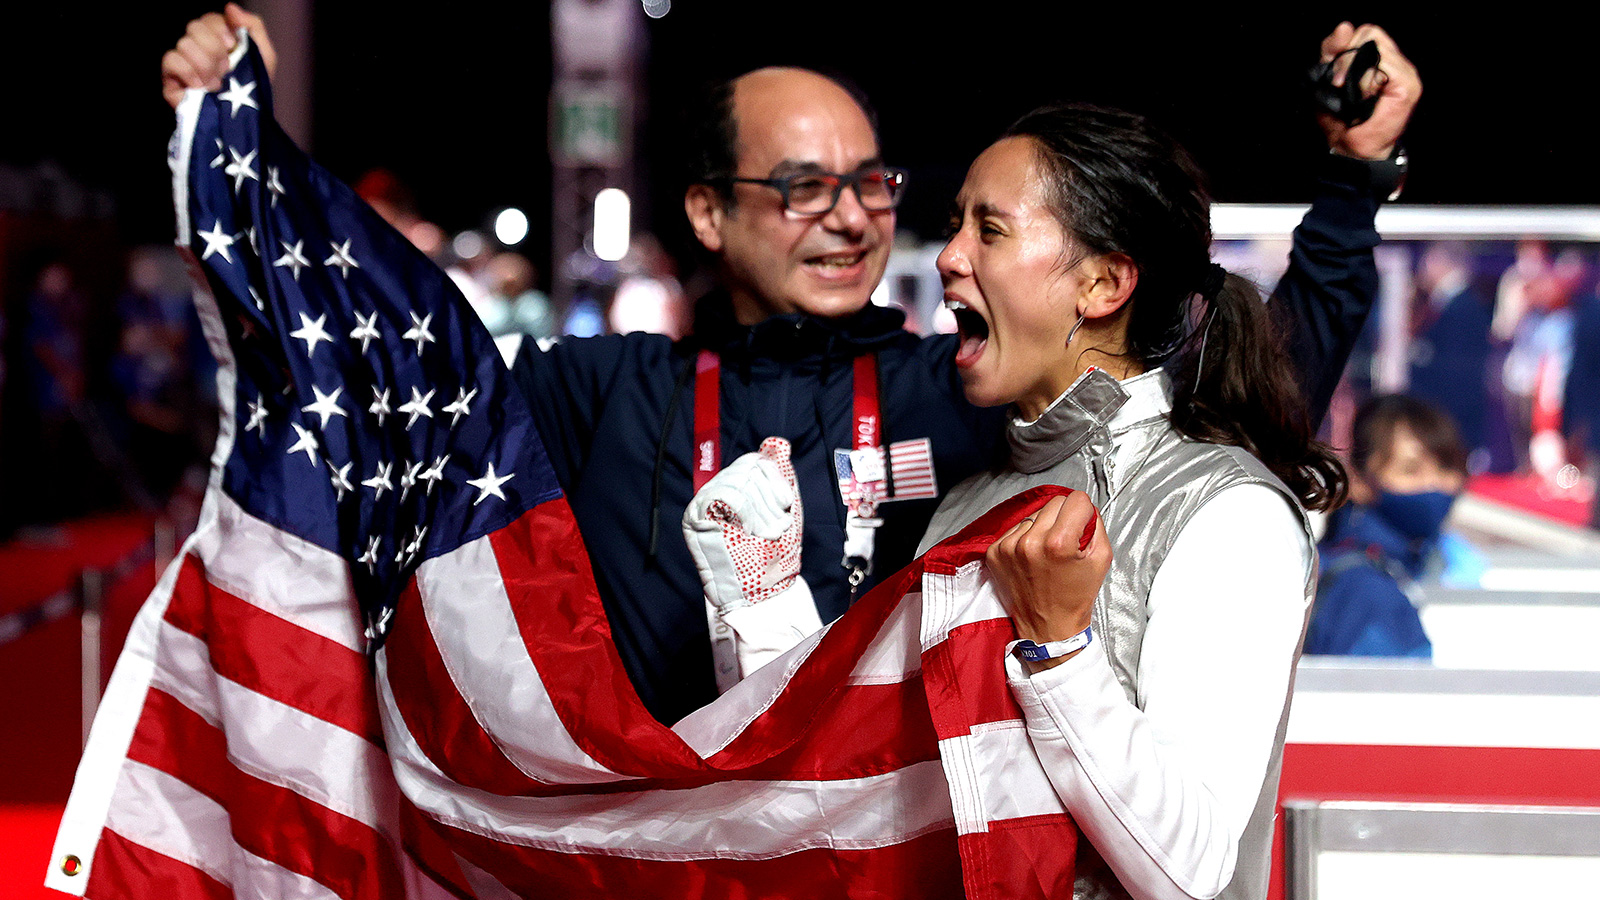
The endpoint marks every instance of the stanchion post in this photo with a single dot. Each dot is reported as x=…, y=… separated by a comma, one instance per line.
x=91, y=591
x=164, y=542
x=1302, y=842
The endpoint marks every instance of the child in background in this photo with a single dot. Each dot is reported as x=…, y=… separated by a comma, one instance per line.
x=1407, y=465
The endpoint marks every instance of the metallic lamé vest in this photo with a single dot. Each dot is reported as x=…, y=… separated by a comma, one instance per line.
x=1167, y=478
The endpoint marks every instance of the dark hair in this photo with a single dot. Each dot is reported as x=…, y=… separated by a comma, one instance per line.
x=1372, y=436
x=711, y=153
x=1117, y=184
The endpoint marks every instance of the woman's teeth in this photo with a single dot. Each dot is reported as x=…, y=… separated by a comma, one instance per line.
x=971, y=323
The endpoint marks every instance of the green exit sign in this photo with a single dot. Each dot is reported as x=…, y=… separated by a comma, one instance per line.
x=589, y=128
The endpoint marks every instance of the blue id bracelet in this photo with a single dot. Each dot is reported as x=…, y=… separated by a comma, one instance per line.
x=1032, y=652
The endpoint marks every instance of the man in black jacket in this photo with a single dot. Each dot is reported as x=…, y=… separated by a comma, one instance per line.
x=794, y=203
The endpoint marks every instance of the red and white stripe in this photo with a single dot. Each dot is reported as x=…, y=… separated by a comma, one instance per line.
x=878, y=747
x=239, y=751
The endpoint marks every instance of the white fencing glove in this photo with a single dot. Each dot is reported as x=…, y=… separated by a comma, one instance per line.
x=744, y=530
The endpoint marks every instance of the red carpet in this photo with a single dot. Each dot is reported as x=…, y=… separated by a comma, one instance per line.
x=40, y=704
x=26, y=832
x=1531, y=494
x=43, y=563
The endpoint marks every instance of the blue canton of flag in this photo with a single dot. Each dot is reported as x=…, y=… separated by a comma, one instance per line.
x=373, y=416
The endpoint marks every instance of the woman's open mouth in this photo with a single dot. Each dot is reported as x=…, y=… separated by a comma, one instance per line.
x=974, y=330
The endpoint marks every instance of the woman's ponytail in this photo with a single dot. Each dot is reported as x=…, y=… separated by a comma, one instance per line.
x=1234, y=384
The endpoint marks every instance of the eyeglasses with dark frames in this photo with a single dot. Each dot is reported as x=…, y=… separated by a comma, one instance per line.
x=878, y=188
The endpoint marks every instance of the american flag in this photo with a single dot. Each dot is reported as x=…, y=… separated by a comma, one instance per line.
x=380, y=667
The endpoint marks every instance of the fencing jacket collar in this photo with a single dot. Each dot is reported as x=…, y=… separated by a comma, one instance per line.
x=1080, y=415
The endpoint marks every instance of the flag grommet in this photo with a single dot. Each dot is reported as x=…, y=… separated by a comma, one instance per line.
x=71, y=865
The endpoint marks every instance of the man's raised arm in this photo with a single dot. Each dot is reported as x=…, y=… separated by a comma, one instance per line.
x=1332, y=282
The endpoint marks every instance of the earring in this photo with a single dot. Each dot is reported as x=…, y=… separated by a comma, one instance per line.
x=1074, y=332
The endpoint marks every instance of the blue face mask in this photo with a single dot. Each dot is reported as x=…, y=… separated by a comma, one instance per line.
x=1418, y=516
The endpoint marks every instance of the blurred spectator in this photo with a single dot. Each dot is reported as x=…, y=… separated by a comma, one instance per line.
x=466, y=260
x=644, y=304
x=512, y=276
x=1580, y=423
x=61, y=444
x=584, y=318
x=512, y=308
x=390, y=198
x=1407, y=466
x=593, y=282
x=164, y=371
x=1537, y=291
x=649, y=296
x=57, y=312
x=1450, y=319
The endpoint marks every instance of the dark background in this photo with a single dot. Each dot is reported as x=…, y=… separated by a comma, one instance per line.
x=454, y=99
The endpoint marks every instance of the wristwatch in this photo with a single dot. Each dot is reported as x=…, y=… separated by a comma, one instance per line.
x=1386, y=177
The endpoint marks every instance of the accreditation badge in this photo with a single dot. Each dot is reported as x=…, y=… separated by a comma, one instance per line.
x=870, y=476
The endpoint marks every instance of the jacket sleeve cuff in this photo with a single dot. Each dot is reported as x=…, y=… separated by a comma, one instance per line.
x=1345, y=206
x=1088, y=674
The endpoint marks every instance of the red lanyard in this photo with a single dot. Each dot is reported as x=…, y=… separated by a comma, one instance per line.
x=866, y=405
x=707, y=418
x=708, y=412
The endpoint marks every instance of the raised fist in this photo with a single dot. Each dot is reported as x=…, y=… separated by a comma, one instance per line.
x=1049, y=568
x=200, y=58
